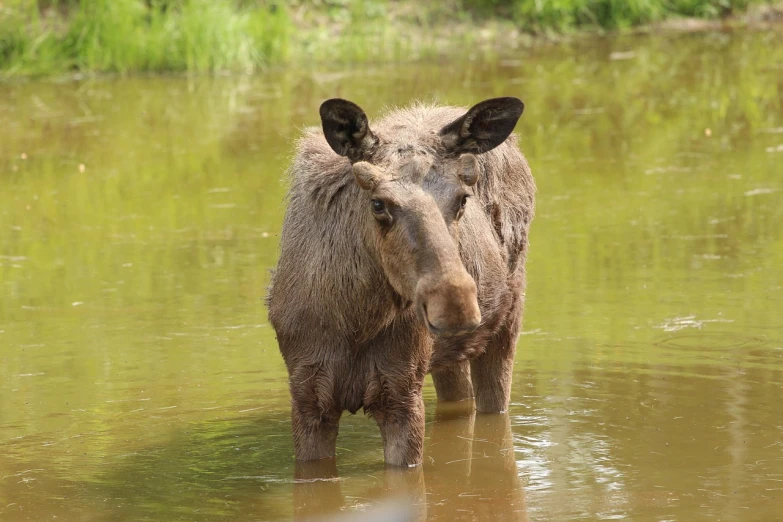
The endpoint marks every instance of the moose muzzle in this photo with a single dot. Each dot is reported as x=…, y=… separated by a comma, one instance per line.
x=448, y=305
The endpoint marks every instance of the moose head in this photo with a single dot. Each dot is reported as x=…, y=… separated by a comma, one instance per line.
x=417, y=185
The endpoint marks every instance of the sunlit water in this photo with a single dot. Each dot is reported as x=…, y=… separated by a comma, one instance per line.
x=139, y=377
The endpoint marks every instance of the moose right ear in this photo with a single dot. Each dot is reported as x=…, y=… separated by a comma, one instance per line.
x=346, y=129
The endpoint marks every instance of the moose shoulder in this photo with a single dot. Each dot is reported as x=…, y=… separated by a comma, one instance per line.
x=402, y=252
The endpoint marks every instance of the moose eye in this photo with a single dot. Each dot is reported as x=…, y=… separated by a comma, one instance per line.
x=378, y=206
x=463, y=202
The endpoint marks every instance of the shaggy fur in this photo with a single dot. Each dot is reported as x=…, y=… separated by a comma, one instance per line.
x=360, y=299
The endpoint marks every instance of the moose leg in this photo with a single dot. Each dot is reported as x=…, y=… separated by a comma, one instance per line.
x=402, y=432
x=398, y=408
x=314, y=415
x=452, y=383
x=491, y=371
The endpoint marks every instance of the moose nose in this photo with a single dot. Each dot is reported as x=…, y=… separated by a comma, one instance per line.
x=449, y=306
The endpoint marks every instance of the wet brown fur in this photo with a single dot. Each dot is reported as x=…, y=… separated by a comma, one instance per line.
x=349, y=339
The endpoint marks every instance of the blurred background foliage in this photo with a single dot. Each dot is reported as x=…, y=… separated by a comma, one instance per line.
x=56, y=36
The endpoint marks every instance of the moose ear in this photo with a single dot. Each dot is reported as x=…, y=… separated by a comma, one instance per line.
x=346, y=129
x=484, y=127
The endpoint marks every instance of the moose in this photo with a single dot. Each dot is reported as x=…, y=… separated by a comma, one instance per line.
x=402, y=252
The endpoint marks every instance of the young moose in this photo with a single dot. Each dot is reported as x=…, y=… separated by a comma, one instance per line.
x=402, y=252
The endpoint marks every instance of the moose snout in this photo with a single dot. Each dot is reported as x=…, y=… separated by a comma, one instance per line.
x=449, y=306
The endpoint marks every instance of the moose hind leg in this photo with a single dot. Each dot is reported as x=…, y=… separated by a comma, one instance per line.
x=452, y=382
x=315, y=417
x=491, y=371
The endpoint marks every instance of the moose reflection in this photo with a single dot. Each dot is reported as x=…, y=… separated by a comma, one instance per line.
x=469, y=473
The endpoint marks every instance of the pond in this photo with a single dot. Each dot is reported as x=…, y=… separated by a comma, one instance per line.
x=139, y=218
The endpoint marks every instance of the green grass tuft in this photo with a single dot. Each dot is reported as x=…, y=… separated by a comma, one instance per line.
x=131, y=35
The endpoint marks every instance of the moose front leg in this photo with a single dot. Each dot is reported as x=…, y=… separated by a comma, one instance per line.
x=315, y=417
x=398, y=408
x=402, y=431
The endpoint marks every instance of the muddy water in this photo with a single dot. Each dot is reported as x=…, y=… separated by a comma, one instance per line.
x=139, y=378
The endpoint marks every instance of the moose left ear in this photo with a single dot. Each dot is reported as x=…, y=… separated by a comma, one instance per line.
x=484, y=127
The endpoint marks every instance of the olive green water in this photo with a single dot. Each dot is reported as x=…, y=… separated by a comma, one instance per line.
x=140, y=380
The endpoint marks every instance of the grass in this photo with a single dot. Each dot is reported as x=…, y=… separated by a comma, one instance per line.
x=132, y=36
x=40, y=37
x=560, y=15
